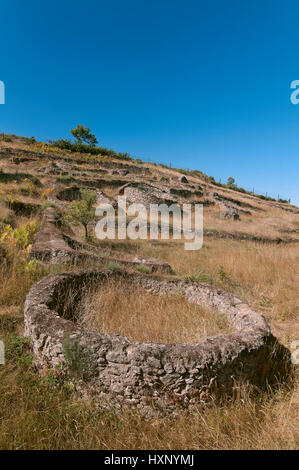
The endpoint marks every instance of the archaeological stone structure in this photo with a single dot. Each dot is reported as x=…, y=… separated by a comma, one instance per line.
x=153, y=377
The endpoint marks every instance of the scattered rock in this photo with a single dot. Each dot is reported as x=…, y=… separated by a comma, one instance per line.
x=146, y=194
x=229, y=213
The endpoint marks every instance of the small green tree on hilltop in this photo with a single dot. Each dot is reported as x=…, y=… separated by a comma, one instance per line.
x=83, y=135
x=231, y=182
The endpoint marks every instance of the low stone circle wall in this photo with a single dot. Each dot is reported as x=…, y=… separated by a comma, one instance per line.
x=151, y=376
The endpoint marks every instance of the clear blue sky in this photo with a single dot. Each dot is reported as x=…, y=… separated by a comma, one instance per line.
x=199, y=83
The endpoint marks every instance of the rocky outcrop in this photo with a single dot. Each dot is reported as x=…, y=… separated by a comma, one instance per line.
x=228, y=208
x=228, y=212
x=143, y=193
x=146, y=194
x=153, y=377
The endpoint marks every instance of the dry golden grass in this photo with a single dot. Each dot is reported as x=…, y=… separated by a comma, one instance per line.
x=13, y=283
x=5, y=212
x=118, y=307
x=44, y=414
x=267, y=223
x=264, y=275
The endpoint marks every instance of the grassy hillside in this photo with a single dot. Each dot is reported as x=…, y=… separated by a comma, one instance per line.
x=255, y=257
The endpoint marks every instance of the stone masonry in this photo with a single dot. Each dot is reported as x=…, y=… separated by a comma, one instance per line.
x=151, y=376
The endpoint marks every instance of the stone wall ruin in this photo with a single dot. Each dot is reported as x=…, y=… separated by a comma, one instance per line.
x=152, y=376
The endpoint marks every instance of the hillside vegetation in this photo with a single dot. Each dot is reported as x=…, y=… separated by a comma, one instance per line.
x=251, y=248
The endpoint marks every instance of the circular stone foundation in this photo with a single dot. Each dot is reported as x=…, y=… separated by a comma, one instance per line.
x=121, y=307
x=149, y=375
x=69, y=194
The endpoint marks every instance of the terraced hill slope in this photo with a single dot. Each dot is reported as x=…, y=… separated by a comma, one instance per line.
x=250, y=250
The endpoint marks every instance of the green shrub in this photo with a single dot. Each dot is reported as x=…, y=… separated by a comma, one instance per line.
x=29, y=140
x=115, y=267
x=223, y=277
x=83, y=135
x=66, y=144
x=20, y=237
x=199, y=276
x=82, y=212
x=142, y=268
x=47, y=204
